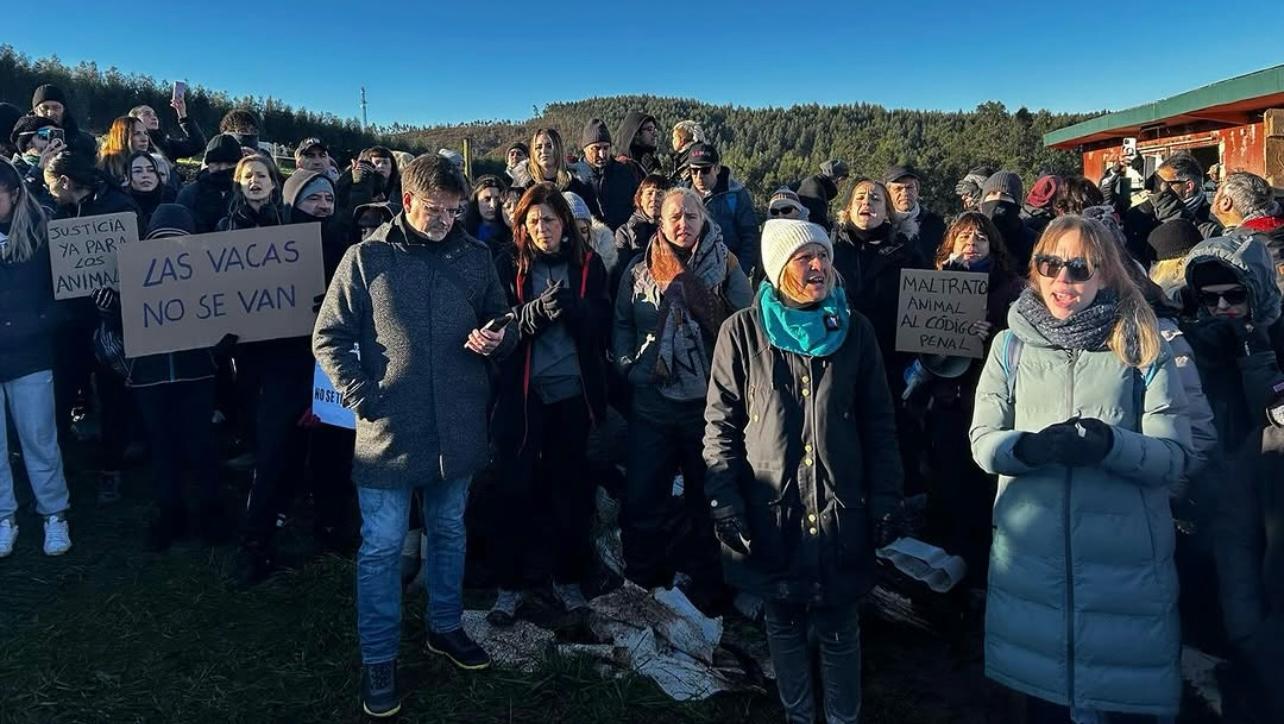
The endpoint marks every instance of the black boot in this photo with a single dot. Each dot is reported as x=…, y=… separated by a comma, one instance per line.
x=254, y=563
x=165, y=529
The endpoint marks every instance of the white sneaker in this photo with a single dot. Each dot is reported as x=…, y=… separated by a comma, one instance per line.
x=8, y=535
x=57, y=535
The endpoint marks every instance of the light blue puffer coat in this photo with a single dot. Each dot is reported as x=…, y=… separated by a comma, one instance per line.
x=1082, y=603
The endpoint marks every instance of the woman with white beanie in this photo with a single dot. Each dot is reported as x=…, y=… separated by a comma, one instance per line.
x=803, y=467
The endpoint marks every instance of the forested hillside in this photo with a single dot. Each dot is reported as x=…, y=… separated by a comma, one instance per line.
x=768, y=147
x=97, y=97
x=765, y=147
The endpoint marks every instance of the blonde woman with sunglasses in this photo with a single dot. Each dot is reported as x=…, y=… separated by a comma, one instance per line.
x=1081, y=413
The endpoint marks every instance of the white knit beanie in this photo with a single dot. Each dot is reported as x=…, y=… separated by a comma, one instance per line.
x=782, y=237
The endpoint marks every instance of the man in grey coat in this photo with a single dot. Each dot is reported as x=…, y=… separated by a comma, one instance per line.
x=415, y=299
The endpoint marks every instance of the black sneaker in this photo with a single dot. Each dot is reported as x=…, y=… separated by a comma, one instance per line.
x=379, y=697
x=460, y=649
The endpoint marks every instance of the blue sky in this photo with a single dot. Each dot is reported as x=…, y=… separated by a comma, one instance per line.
x=476, y=60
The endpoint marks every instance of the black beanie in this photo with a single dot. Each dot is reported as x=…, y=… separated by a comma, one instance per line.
x=1174, y=239
x=48, y=92
x=222, y=148
x=595, y=131
x=29, y=124
x=170, y=220
x=1210, y=272
x=9, y=115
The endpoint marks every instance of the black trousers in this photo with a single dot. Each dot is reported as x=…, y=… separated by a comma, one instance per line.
x=330, y=464
x=960, y=495
x=181, y=436
x=546, y=495
x=660, y=535
x=114, y=408
x=282, y=392
x=73, y=367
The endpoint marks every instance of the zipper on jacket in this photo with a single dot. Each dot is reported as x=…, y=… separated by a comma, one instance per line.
x=1065, y=523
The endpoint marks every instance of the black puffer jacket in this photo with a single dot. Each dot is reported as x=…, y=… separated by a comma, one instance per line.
x=630, y=240
x=207, y=198
x=590, y=327
x=190, y=143
x=1250, y=567
x=870, y=264
x=28, y=315
x=804, y=450
x=1142, y=219
x=613, y=188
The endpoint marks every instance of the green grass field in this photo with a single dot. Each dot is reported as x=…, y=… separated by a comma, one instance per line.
x=110, y=633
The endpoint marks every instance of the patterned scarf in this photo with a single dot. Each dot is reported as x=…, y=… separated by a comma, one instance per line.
x=1087, y=329
x=691, y=309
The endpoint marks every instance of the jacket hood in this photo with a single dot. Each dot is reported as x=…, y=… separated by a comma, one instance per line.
x=1025, y=330
x=1250, y=260
x=629, y=128
x=298, y=181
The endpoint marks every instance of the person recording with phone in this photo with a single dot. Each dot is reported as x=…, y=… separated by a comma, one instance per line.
x=192, y=140
x=38, y=141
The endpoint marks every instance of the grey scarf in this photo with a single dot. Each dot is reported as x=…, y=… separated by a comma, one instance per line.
x=1086, y=330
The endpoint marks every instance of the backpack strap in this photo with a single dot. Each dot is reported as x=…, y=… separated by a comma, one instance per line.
x=1010, y=360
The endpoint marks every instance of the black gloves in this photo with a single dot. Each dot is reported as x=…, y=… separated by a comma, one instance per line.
x=1037, y=449
x=1090, y=445
x=225, y=345
x=538, y=313
x=731, y=530
x=1077, y=442
x=1251, y=338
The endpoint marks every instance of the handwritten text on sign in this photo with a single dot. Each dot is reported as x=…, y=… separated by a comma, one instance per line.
x=937, y=309
x=82, y=252
x=186, y=292
x=327, y=403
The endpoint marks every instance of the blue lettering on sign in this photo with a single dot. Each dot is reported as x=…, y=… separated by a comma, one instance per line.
x=177, y=269
x=169, y=310
x=211, y=305
x=254, y=256
x=269, y=299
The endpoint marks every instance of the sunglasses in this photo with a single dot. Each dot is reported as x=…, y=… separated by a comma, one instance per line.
x=701, y=171
x=783, y=211
x=1077, y=269
x=1232, y=297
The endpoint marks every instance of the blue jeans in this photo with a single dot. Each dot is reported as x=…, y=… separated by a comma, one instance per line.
x=836, y=631
x=31, y=400
x=385, y=517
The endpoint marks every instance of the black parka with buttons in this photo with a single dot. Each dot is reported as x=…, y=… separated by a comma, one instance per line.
x=804, y=450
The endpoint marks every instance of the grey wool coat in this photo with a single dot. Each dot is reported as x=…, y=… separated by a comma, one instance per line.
x=408, y=305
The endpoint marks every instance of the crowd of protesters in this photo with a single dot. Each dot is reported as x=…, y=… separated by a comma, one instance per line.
x=1112, y=470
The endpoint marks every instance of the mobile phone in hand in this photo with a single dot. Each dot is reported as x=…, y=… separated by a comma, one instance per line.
x=57, y=134
x=498, y=323
x=180, y=90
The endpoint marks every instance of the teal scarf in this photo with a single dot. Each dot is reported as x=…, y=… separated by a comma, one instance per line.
x=803, y=331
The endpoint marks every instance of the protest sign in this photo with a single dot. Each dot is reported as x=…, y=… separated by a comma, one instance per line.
x=82, y=251
x=936, y=312
x=327, y=403
x=186, y=292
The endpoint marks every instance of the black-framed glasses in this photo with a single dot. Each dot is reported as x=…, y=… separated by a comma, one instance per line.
x=782, y=211
x=1238, y=295
x=1077, y=269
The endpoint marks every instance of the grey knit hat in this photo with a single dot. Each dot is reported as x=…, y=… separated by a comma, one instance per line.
x=1007, y=182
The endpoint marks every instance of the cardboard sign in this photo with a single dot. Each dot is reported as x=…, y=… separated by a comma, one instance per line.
x=187, y=292
x=936, y=312
x=327, y=403
x=82, y=252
